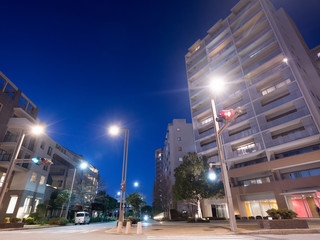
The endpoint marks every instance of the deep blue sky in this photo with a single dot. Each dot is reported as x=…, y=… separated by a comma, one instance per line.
x=88, y=64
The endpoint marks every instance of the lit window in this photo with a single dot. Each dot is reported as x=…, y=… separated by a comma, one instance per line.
x=33, y=177
x=26, y=205
x=12, y=204
x=180, y=159
x=318, y=54
x=2, y=179
x=179, y=138
x=178, y=129
x=179, y=148
x=206, y=121
x=36, y=203
x=42, y=179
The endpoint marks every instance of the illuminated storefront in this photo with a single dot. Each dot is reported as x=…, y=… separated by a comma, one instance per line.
x=259, y=207
x=305, y=204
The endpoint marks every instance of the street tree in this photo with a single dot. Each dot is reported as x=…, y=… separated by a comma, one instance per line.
x=134, y=199
x=62, y=199
x=192, y=183
x=104, y=203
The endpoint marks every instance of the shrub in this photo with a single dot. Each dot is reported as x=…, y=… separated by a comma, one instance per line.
x=281, y=213
x=30, y=221
x=15, y=220
x=96, y=219
x=112, y=219
x=133, y=220
x=42, y=220
x=63, y=221
x=72, y=220
x=54, y=221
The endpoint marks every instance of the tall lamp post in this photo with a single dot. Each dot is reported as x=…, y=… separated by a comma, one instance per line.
x=83, y=165
x=115, y=130
x=216, y=85
x=33, y=130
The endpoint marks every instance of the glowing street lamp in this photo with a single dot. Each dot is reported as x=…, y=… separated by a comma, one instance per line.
x=33, y=130
x=217, y=85
x=114, y=131
x=82, y=166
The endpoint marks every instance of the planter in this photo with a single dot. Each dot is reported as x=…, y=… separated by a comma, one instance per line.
x=11, y=225
x=283, y=223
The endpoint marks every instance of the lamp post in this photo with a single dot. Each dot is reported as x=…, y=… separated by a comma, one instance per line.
x=114, y=130
x=217, y=84
x=83, y=165
x=34, y=130
x=137, y=184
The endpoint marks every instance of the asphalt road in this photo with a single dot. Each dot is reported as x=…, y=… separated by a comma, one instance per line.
x=105, y=231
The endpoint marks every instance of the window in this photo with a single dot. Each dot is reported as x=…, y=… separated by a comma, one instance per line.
x=279, y=85
x=180, y=159
x=2, y=179
x=26, y=205
x=12, y=204
x=178, y=129
x=42, y=179
x=22, y=102
x=10, y=91
x=30, y=108
x=2, y=83
x=206, y=121
x=179, y=148
x=179, y=138
x=49, y=151
x=318, y=54
x=33, y=177
x=43, y=145
x=36, y=203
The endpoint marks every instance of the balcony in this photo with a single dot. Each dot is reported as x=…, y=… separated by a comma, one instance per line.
x=195, y=61
x=256, y=13
x=200, y=100
x=208, y=146
x=196, y=112
x=223, y=59
x=205, y=133
x=242, y=12
x=197, y=69
x=258, y=26
x=215, y=44
x=261, y=59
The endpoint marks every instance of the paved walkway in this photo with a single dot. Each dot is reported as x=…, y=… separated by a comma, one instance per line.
x=216, y=227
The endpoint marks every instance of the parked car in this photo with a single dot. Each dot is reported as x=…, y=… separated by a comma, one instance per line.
x=82, y=218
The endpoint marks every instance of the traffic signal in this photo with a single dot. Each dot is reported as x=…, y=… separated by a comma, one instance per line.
x=123, y=187
x=227, y=114
x=42, y=161
x=220, y=118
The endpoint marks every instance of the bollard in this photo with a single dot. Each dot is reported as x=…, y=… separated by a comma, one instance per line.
x=128, y=227
x=139, y=228
x=119, y=229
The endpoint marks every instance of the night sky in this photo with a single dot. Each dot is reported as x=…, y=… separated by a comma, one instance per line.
x=90, y=64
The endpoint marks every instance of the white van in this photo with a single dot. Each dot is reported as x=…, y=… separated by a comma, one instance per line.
x=82, y=218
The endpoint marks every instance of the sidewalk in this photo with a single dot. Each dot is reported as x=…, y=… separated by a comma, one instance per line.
x=215, y=227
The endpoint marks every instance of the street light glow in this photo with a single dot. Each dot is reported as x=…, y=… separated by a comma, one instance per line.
x=37, y=130
x=83, y=165
x=118, y=193
x=212, y=176
x=114, y=130
x=217, y=84
x=136, y=184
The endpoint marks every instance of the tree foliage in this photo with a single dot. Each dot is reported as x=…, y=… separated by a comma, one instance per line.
x=191, y=180
x=62, y=199
x=104, y=203
x=134, y=199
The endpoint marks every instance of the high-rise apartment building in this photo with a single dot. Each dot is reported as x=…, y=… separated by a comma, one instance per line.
x=179, y=141
x=31, y=184
x=273, y=148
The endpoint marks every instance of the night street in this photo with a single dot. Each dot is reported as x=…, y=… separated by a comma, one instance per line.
x=178, y=231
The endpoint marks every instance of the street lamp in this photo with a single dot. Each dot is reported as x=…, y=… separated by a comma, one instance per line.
x=33, y=130
x=217, y=85
x=137, y=184
x=82, y=166
x=115, y=130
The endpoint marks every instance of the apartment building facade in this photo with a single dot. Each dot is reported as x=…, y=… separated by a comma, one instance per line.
x=28, y=185
x=273, y=148
x=178, y=142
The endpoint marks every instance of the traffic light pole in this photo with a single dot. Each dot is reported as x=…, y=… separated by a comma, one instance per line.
x=225, y=178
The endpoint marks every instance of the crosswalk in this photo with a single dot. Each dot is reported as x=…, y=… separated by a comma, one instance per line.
x=198, y=237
